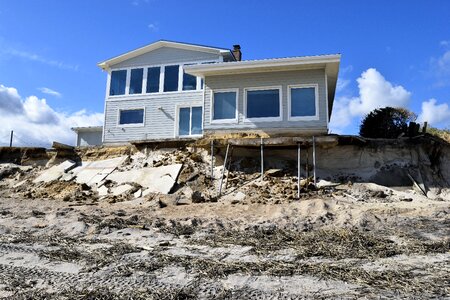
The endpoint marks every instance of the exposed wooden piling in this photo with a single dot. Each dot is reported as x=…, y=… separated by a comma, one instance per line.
x=223, y=170
x=314, y=158
x=262, y=159
x=298, y=169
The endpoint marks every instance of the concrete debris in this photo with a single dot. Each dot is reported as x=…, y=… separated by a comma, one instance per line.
x=102, y=191
x=138, y=193
x=121, y=189
x=274, y=173
x=55, y=172
x=324, y=184
x=157, y=180
x=93, y=172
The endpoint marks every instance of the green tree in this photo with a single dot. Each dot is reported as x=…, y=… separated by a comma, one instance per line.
x=386, y=122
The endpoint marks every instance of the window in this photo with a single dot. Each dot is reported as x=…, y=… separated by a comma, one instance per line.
x=190, y=121
x=224, y=105
x=153, y=79
x=136, y=81
x=118, y=82
x=131, y=116
x=302, y=101
x=263, y=104
x=189, y=82
x=171, y=78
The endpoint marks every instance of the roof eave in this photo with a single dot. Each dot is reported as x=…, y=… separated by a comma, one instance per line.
x=262, y=65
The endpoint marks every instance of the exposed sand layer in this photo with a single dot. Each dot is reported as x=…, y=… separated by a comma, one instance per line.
x=258, y=240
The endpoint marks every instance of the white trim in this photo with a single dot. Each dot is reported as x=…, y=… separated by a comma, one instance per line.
x=144, y=80
x=316, y=102
x=326, y=101
x=180, y=78
x=133, y=124
x=108, y=79
x=162, y=73
x=236, y=114
x=264, y=119
x=189, y=105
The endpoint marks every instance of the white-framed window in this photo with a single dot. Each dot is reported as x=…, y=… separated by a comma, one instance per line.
x=131, y=117
x=224, y=106
x=118, y=82
x=153, y=79
x=189, y=120
x=303, y=102
x=136, y=79
x=263, y=104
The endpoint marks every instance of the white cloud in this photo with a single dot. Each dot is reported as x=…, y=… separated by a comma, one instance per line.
x=37, y=58
x=435, y=114
x=49, y=91
x=35, y=123
x=342, y=84
x=375, y=92
x=444, y=43
x=153, y=27
x=440, y=69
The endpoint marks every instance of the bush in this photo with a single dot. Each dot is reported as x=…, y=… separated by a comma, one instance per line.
x=387, y=122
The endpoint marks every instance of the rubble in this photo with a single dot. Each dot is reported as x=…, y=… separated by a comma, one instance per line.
x=132, y=220
x=156, y=180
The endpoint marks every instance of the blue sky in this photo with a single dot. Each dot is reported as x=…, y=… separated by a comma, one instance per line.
x=398, y=50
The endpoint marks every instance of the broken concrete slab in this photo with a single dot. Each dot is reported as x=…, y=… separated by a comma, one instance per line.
x=138, y=193
x=102, y=191
x=55, y=172
x=274, y=173
x=157, y=180
x=93, y=172
x=121, y=189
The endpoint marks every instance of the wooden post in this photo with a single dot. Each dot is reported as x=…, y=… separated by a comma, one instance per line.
x=11, y=139
x=298, y=170
x=314, y=158
x=212, y=160
x=262, y=159
x=223, y=169
x=229, y=166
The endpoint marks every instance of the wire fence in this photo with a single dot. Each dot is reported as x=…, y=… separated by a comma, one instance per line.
x=18, y=141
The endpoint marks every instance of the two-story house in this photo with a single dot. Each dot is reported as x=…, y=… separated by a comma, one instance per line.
x=171, y=90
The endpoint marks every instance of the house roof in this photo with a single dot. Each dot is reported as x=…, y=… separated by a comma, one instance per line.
x=330, y=63
x=87, y=129
x=163, y=43
x=273, y=64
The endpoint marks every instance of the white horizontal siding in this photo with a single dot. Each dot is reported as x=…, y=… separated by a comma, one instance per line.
x=283, y=79
x=159, y=123
x=166, y=55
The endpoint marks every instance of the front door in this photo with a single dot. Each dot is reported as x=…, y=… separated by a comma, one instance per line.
x=190, y=121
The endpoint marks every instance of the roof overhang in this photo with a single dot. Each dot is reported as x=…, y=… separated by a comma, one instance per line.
x=87, y=129
x=159, y=44
x=329, y=63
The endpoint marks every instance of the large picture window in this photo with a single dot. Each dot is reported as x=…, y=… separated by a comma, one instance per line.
x=171, y=78
x=136, y=81
x=131, y=116
x=118, y=82
x=190, y=121
x=263, y=104
x=153, y=79
x=224, y=105
x=302, y=102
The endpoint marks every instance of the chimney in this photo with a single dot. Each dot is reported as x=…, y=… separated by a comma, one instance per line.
x=237, y=52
